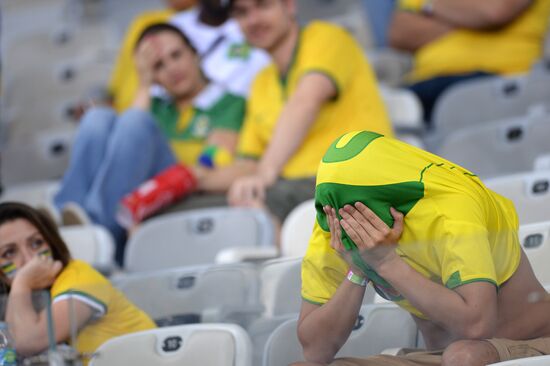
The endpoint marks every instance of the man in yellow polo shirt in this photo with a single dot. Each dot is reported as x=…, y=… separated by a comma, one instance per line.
x=429, y=236
x=318, y=86
x=456, y=40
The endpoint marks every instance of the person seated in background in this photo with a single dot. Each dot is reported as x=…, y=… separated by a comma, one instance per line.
x=113, y=154
x=34, y=257
x=318, y=86
x=458, y=40
x=430, y=237
x=225, y=56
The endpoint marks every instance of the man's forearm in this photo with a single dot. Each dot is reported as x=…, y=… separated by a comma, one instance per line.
x=445, y=307
x=475, y=14
x=220, y=179
x=409, y=31
x=323, y=331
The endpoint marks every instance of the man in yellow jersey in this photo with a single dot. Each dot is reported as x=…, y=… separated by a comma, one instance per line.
x=429, y=236
x=456, y=40
x=318, y=86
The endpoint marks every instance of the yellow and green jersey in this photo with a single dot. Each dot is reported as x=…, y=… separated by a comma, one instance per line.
x=188, y=130
x=114, y=314
x=510, y=49
x=456, y=230
x=329, y=50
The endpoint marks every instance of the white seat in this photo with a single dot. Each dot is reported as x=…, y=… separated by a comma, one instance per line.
x=210, y=293
x=35, y=194
x=92, y=244
x=476, y=101
x=500, y=147
x=196, y=344
x=404, y=108
x=531, y=361
x=295, y=233
x=529, y=191
x=280, y=297
x=195, y=237
x=535, y=240
x=378, y=327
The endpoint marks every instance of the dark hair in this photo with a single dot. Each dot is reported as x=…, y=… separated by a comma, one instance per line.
x=10, y=211
x=165, y=27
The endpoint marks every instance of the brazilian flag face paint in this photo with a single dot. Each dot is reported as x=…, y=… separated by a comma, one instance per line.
x=9, y=269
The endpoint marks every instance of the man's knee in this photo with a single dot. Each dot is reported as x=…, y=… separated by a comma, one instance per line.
x=467, y=352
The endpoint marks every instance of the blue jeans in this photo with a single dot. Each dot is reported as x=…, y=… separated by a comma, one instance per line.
x=112, y=155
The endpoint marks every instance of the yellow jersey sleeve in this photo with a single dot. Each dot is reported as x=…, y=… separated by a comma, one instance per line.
x=251, y=144
x=329, y=50
x=79, y=281
x=465, y=255
x=323, y=270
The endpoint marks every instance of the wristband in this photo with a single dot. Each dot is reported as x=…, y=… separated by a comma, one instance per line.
x=414, y=6
x=357, y=279
x=213, y=156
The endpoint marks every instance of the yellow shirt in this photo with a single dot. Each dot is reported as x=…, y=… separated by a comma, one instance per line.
x=330, y=50
x=114, y=314
x=456, y=230
x=507, y=50
x=124, y=78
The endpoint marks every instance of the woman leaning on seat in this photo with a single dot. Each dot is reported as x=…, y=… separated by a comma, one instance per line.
x=34, y=257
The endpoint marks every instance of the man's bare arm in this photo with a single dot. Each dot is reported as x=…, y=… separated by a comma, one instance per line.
x=481, y=15
x=220, y=179
x=409, y=31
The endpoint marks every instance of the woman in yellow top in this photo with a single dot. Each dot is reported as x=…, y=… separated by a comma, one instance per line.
x=34, y=257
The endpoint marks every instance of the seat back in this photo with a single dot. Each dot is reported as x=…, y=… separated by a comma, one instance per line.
x=92, y=244
x=529, y=191
x=297, y=228
x=209, y=293
x=476, y=101
x=378, y=327
x=195, y=237
x=499, y=147
x=535, y=240
x=530, y=361
x=196, y=344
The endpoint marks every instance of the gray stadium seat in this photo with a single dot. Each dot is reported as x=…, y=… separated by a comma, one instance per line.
x=535, y=240
x=195, y=237
x=195, y=344
x=529, y=191
x=531, y=361
x=92, y=244
x=211, y=293
x=378, y=327
x=499, y=147
x=488, y=99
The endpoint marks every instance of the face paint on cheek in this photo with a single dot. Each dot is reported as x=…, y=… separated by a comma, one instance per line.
x=9, y=269
x=45, y=253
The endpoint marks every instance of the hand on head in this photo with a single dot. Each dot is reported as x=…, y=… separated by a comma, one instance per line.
x=374, y=239
x=146, y=56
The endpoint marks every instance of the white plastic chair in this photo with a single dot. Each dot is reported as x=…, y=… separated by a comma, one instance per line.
x=535, y=240
x=530, y=192
x=295, y=233
x=531, y=361
x=196, y=344
x=488, y=99
x=195, y=237
x=378, y=327
x=500, y=147
x=92, y=244
x=210, y=293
